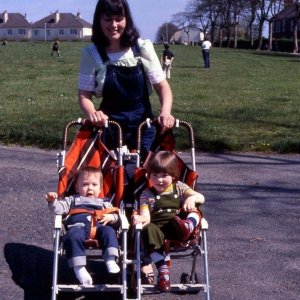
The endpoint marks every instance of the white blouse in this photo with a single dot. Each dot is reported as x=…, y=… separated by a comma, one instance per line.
x=93, y=71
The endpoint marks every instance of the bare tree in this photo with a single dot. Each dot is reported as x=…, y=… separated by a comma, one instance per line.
x=263, y=11
x=252, y=16
x=235, y=9
x=205, y=13
x=184, y=21
x=165, y=32
x=295, y=26
x=275, y=8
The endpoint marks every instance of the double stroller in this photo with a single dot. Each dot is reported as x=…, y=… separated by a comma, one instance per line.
x=88, y=149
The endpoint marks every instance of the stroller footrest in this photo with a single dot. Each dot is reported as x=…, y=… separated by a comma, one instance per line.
x=89, y=288
x=176, y=288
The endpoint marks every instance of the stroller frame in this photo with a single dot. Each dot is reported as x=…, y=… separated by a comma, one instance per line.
x=58, y=227
x=189, y=282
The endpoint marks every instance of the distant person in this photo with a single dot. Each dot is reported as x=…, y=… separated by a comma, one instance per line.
x=206, y=45
x=55, y=48
x=167, y=59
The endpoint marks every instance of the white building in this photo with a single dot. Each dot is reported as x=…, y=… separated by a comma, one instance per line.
x=187, y=36
x=61, y=26
x=56, y=26
x=14, y=27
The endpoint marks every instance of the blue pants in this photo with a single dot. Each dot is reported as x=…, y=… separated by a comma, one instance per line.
x=205, y=54
x=74, y=243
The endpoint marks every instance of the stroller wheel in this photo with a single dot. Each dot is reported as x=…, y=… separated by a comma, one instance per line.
x=197, y=278
x=185, y=278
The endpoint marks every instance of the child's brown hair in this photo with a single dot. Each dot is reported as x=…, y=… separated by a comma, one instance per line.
x=92, y=170
x=164, y=162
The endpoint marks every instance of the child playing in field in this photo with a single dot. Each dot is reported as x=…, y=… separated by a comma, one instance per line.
x=167, y=59
x=159, y=206
x=55, y=48
x=88, y=186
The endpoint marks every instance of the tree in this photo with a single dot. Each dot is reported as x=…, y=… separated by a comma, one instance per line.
x=165, y=32
x=251, y=16
x=207, y=14
x=275, y=8
x=295, y=26
x=263, y=11
x=184, y=21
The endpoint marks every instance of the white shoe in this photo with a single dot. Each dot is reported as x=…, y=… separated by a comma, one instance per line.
x=83, y=275
x=112, y=266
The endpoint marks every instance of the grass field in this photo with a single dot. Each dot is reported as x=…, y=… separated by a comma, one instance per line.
x=246, y=102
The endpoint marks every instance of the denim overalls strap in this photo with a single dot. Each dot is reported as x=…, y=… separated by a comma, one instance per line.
x=126, y=99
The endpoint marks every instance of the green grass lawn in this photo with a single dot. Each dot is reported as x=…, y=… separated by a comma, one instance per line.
x=246, y=101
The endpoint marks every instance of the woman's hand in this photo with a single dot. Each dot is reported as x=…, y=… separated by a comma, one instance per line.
x=166, y=121
x=98, y=118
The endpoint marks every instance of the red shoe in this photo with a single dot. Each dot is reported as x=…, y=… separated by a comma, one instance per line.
x=182, y=228
x=163, y=281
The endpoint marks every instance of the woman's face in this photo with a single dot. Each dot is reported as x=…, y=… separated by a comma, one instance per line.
x=113, y=26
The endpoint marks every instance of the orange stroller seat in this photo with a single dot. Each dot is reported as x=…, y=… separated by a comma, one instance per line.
x=174, y=248
x=87, y=150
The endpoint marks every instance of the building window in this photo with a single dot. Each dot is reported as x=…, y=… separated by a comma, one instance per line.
x=36, y=32
x=22, y=31
x=61, y=32
x=9, y=31
x=73, y=31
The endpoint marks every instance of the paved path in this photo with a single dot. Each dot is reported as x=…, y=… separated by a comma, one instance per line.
x=252, y=205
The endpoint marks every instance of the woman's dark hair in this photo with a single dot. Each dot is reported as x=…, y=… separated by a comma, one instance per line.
x=114, y=8
x=164, y=162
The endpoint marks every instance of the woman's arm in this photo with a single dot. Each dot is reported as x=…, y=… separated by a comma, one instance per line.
x=165, y=118
x=88, y=108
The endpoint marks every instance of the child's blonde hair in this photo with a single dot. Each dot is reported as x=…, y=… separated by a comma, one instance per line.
x=164, y=162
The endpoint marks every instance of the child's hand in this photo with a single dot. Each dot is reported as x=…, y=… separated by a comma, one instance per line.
x=189, y=204
x=137, y=219
x=107, y=218
x=51, y=196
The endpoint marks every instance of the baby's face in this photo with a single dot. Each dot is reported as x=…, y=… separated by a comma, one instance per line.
x=88, y=185
x=161, y=181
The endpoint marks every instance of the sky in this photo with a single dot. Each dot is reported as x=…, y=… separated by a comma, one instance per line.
x=148, y=15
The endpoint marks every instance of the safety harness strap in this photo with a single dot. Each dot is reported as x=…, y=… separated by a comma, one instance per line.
x=96, y=215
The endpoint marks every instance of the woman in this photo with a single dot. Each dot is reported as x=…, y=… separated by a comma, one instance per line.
x=118, y=67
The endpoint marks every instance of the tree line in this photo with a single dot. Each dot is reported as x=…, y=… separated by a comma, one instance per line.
x=229, y=20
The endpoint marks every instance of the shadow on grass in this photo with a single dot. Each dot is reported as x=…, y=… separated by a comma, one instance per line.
x=189, y=67
x=274, y=53
x=31, y=269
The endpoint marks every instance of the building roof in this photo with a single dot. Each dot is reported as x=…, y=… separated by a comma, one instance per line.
x=287, y=12
x=14, y=20
x=63, y=20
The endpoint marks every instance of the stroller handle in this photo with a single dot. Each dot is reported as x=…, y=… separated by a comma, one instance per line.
x=155, y=123
x=84, y=122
